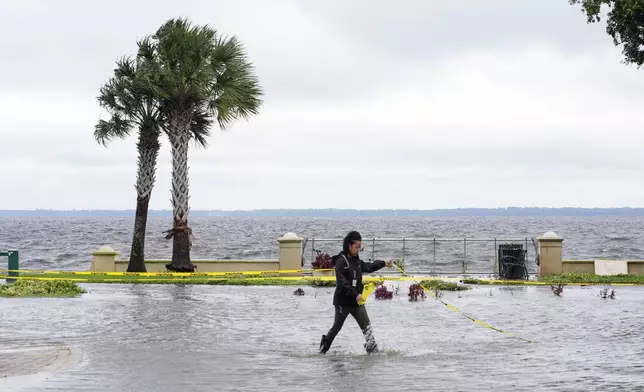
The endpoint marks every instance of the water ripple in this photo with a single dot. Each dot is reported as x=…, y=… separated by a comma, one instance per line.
x=170, y=338
x=68, y=242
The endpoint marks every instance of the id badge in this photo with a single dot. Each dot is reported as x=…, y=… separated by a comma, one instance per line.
x=355, y=283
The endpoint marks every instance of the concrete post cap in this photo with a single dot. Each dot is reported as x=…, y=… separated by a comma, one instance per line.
x=106, y=250
x=550, y=235
x=290, y=237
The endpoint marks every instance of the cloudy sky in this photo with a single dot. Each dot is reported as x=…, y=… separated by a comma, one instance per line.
x=369, y=104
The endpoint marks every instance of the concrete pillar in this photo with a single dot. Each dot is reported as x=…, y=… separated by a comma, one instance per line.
x=290, y=252
x=105, y=259
x=550, y=254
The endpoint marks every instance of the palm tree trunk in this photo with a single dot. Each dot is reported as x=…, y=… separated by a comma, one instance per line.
x=148, y=147
x=179, y=135
x=137, y=254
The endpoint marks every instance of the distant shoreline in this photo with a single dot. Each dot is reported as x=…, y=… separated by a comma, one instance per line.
x=330, y=213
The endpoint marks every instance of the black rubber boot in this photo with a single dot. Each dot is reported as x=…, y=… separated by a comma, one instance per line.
x=373, y=348
x=325, y=345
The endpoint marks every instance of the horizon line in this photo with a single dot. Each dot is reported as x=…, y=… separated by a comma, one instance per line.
x=344, y=213
x=319, y=209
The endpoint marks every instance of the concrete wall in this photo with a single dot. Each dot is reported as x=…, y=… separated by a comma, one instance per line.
x=107, y=259
x=552, y=263
x=636, y=267
x=578, y=266
x=208, y=265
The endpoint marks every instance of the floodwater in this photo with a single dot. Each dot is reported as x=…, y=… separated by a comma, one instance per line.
x=217, y=338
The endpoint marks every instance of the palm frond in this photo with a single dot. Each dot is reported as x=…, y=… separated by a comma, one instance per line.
x=115, y=128
x=125, y=68
x=199, y=72
x=145, y=49
x=128, y=99
x=237, y=93
x=200, y=127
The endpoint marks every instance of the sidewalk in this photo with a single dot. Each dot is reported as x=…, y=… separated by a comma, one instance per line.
x=19, y=364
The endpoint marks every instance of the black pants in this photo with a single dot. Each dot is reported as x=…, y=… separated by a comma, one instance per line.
x=360, y=314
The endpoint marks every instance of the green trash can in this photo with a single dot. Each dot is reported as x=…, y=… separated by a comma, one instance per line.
x=14, y=264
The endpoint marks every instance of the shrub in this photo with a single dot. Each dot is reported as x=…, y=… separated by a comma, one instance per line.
x=400, y=263
x=41, y=288
x=593, y=279
x=416, y=292
x=317, y=282
x=322, y=261
x=383, y=293
x=435, y=284
x=474, y=281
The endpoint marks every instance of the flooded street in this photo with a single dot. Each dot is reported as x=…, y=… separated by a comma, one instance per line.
x=211, y=338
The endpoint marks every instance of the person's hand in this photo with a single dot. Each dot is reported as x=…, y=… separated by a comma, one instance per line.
x=390, y=263
x=359, y=298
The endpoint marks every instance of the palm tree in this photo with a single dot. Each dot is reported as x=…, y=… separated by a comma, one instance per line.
x=199, y=75
x=130, y=103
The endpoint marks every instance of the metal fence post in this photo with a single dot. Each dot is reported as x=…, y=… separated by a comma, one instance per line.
x=434, y=269
x=403, y=255
x=14, y=264
x=464, y=254
x=373, y=249
x=496, y=258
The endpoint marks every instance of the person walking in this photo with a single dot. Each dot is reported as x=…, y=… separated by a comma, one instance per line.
x=348, y=291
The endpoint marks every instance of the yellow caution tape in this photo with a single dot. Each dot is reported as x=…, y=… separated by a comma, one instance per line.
x=279, y=272
x=133, y=281
x=135, y=277
x=41, y=278
x=137, y=280
x=184, y=279
x=269, y=272
x=366, y=292
x=477, y=321
x=538, y=283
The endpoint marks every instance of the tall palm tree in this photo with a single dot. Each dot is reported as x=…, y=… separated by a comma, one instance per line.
x=131, y=104
x=199, y=75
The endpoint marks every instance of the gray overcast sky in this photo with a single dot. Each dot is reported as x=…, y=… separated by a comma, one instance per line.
x=369, y=104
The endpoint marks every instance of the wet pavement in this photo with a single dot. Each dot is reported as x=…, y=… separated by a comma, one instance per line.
x=25, y=361
x=214, y=338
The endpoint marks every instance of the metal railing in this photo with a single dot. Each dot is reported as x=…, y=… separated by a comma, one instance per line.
x=431, y=255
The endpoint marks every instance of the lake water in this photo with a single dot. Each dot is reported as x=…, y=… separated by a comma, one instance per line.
x=67, y=243
x=213, y=338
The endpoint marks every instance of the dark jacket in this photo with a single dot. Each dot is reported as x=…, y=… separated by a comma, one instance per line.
x=346, y=272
